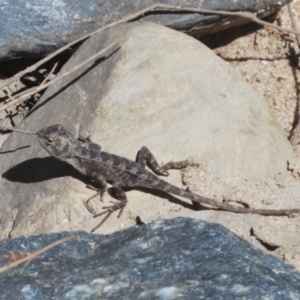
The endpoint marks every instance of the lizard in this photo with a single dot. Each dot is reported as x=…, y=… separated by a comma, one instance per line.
x=89, y=159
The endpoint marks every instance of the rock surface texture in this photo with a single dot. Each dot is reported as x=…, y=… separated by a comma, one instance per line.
x=35, y=28
x=175, y=259
x=164, y=90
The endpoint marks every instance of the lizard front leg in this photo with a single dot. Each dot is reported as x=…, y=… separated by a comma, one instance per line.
x=102, y=187
x=117, y=205
x=88, y=143
x=145, y=156
x=100, y=180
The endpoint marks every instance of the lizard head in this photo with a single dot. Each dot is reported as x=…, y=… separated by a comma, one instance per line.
x=56, y=140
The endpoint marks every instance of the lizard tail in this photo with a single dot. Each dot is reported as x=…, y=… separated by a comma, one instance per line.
x=213, y=204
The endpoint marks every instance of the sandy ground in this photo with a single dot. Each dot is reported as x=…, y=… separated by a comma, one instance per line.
x=269, y=61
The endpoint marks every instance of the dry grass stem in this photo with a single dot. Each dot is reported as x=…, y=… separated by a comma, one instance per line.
x=35, y=254
x=17, y=130
x=34, y=90
x=50, y=74
x=140, y=13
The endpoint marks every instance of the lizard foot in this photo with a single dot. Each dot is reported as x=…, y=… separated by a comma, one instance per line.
x=108, y=210
x=99, y=192
x=86, y=203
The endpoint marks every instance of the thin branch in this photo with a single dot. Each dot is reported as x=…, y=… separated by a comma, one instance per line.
x=34, y=90
x=41, y=62
x=49, y=74
x=138, y=14
x=247, y=15
x=17, y=130
x=11, y=98
x=36, y=254
x=26, y=91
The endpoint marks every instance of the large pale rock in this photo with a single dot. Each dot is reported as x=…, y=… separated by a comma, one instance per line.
x=35, y=28
x=162, y=89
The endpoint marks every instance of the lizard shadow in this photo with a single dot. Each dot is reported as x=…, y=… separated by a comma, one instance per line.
x=41, y=169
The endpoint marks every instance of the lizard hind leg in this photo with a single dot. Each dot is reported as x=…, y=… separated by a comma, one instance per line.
x=100, y=193
x=145, y=156
x=101, y=182
x=117, y=205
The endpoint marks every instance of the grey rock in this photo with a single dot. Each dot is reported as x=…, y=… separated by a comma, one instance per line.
x=35, y=28
x=175, y=259
x=162, y=89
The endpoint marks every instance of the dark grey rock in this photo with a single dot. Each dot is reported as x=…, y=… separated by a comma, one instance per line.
x=175, y=259
x=34, y=28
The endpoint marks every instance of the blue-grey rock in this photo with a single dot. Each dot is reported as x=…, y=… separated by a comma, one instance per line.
x=174, y=259
x=34, y=28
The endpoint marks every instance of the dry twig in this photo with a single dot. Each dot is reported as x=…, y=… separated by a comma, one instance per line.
x=34, y=90
x=294, y=135
x=35, y=254
x=17, y=130
x=49, y=74
x=140, y=13
x=19, y=98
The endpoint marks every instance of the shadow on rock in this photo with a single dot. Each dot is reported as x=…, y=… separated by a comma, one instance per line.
x=40, y=169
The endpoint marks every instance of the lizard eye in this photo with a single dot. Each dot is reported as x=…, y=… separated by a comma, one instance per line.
x=50, y=139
